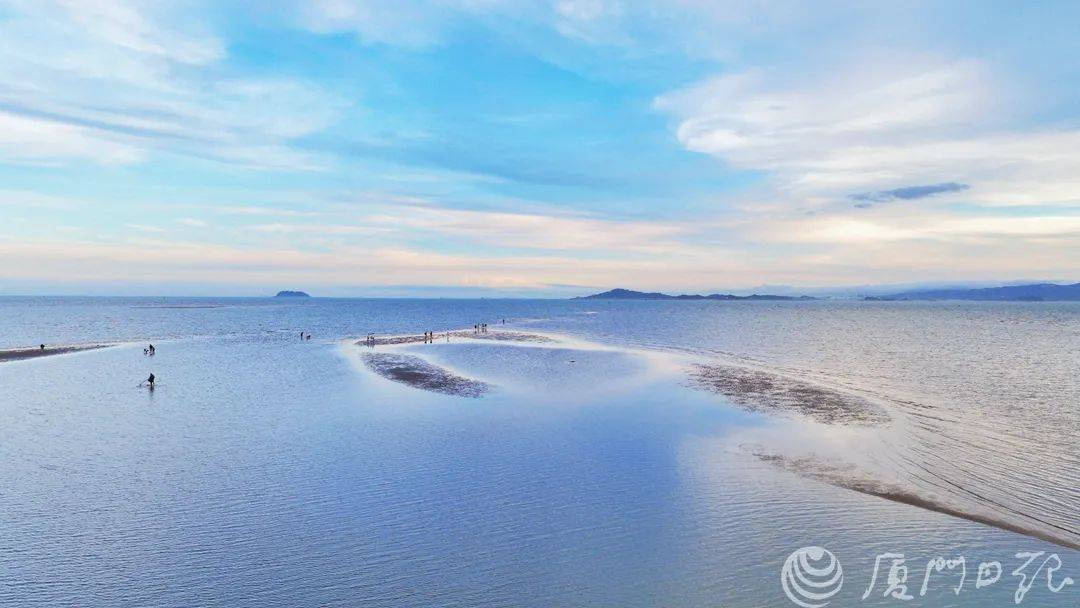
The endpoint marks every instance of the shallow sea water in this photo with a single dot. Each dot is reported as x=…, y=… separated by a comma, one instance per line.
x=266, y=471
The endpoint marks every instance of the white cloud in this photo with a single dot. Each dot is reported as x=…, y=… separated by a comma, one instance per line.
x=27, y=200
x=409, y=23
x=920, y=123
x=112, y=82
x=910, y=229
x=810, y=134
x=316, y=229
x=535, y=231
x=26, y=140
x=258, y=210
x=361, y=264
x=424, y=23
x=145, y=228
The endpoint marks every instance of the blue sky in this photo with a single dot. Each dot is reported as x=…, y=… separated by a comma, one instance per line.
x=351, y=147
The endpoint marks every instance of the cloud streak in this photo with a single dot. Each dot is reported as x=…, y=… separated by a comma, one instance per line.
x=906, y=193
x=116, y=82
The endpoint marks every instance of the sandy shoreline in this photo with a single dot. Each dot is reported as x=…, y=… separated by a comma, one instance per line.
x=440, y=337
x=19, y=354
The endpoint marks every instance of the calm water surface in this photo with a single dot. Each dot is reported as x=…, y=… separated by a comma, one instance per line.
x=264, y=471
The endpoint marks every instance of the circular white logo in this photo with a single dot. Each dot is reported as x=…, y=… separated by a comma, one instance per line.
x=811, y=576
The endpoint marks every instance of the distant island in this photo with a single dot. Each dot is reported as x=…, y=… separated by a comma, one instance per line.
x=628, y=294
x=291, y=294
x=1039, y=292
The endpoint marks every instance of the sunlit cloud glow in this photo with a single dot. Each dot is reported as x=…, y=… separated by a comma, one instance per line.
x=510, y=145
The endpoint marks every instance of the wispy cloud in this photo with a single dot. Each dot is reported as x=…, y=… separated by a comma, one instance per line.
x=35, y=200
x=918, y=122
x=535, y=231
x=114, y=82
x=258, y=210
x=144, y=228
x=662, y=143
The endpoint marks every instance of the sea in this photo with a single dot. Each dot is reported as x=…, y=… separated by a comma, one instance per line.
x=606, y=453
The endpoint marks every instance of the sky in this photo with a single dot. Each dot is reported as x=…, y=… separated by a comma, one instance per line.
x=528, y=148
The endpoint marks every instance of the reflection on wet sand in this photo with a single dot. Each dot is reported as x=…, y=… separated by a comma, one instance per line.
x=757, y=390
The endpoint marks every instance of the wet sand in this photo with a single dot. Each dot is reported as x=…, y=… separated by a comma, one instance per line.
x=760, y=391
x=440, y=338
x=18, y=354
x=418, y=373
x=850, y=479
x=508, y=336
x=754, y=390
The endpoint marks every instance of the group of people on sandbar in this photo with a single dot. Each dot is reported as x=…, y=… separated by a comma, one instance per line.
x=149, y=351
x=429, y=336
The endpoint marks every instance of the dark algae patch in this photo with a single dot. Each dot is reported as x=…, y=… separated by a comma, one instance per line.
x=760, y=391
x=418, y=373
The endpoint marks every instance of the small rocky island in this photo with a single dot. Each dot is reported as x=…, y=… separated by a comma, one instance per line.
x=291, y=294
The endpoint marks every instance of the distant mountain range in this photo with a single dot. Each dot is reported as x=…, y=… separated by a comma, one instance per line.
x=1040, y=292
x=627, y=294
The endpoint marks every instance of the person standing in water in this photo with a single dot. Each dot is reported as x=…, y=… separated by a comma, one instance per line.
x=152, y=350
x=150, y=381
